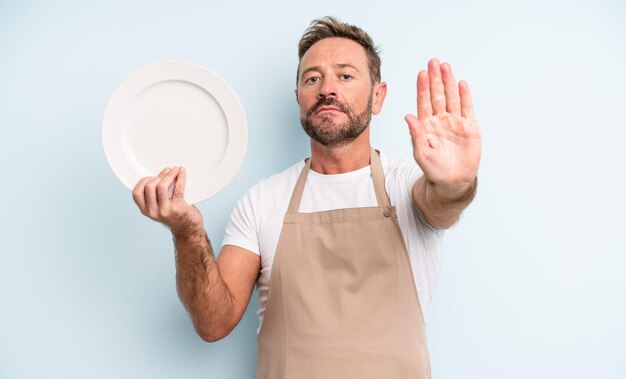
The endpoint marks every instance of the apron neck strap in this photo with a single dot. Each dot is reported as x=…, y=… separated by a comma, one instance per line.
x=296, y=196
x=378, y=178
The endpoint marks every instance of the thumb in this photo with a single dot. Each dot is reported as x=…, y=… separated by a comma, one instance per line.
x=179, y=188
x=417, y=131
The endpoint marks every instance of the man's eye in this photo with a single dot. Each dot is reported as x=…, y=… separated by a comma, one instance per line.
x=346, y=77
x=312, y=79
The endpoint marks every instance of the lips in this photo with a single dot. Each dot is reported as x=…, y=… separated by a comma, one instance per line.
x=328, y=105
x=325, y=108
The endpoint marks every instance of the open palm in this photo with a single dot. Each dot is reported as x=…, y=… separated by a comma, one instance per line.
x=445, y=134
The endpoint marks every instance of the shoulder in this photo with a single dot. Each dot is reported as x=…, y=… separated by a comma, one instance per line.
x=270, y=190
x=257, y=206
x=400, y=177
x=278, y=181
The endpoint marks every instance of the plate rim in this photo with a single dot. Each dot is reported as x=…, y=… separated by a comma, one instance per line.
x=159, y=71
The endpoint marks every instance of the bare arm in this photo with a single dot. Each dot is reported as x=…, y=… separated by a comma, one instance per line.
x=446, y=145
x=215, y=293
x=441, y=207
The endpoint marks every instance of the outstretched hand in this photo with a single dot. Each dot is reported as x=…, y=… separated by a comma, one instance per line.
x=445, y=134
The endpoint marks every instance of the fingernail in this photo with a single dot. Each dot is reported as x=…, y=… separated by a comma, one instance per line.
x=167, y=169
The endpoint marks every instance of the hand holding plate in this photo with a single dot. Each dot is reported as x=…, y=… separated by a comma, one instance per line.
x=151, y=194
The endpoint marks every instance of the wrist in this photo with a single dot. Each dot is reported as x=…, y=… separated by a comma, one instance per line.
x=454, y=192
x=188, y=233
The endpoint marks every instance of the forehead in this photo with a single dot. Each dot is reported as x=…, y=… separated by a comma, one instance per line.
x=334, y=50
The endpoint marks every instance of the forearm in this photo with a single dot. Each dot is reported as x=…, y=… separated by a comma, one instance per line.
x=441, y=205
x=201, y=288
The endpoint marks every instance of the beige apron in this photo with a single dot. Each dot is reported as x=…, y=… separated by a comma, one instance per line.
x=342, y=301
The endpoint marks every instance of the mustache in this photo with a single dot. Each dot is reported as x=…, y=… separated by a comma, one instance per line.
x=328, y=101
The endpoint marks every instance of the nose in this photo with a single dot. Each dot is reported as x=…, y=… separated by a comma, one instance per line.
x=327, y=89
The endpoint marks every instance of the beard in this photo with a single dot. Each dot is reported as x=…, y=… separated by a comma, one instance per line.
x=329, y=134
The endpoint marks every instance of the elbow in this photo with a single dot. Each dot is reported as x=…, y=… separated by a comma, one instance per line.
x=207, y=337
x=211, y=334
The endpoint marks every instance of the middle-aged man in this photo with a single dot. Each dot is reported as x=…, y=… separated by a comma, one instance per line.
x=343, y=246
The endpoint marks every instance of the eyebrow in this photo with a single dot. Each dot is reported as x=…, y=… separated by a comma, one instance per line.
x=336, y=65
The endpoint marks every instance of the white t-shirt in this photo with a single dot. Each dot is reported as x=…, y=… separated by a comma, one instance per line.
x=257, y=219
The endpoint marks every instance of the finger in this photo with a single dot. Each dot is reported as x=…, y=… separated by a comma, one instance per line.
x=418, y=135
x=437, y=93
x=424, y=108
x=179, y=188
x=150, y=193
x=453, y=102
x=163, y=188
x=467, y=107
x=138, y=193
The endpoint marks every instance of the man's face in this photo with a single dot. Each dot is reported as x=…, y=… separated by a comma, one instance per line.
x=335, y=91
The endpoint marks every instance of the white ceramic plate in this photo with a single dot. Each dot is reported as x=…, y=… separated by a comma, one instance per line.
x=175, y=113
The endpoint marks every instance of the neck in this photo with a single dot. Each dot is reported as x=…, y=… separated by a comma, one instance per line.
x=341, y=159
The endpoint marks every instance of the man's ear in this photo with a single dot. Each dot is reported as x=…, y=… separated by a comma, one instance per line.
x=378, y=97
x=296, y=92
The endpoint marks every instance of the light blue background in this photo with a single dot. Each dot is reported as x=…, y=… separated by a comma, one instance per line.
x=532, y=279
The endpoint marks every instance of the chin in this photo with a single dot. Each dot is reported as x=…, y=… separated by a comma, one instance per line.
x=331, y=119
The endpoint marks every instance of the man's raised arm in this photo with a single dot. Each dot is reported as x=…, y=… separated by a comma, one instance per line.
x=446, y=145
